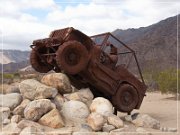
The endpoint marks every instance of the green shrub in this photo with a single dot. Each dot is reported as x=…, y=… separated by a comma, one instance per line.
x=167, y=80
x=8, y=76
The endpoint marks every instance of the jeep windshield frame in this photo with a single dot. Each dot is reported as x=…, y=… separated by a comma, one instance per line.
x=104, y=40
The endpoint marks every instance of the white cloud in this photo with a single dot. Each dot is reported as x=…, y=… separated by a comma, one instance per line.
x=21, y=27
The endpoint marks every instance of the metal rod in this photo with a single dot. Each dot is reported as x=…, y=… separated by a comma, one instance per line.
x=124, y=53
x=99, y=35
x=138, y=67
x=122, y=43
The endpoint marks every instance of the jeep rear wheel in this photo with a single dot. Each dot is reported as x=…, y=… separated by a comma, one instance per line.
x=39, y=64
x=72, y=57
x=126, y=98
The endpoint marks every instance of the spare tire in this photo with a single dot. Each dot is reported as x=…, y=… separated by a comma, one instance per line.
x=72, y=57
x=37, y=63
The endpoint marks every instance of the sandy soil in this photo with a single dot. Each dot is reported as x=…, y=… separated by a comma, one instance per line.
x=162, y=107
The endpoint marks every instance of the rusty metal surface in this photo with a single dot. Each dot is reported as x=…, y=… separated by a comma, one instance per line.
x=87, y=64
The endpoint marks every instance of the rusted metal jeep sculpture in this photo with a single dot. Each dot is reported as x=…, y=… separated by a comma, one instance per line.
x=91, y=62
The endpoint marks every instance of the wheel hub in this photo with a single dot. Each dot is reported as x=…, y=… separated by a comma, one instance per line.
x=127, y=98
x=72, y=58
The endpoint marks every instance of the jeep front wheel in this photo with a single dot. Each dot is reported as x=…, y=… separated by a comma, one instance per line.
x=126, y=98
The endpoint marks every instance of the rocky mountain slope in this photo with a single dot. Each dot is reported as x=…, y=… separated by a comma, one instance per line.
x=155, y=45
x=13, y=56
x=12, y=60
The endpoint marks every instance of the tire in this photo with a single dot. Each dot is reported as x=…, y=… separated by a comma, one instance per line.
x=126, y=98
x=37, y=63
x=72, y=57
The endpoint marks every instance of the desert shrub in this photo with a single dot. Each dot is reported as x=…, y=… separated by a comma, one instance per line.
x=7, y=75
x=167, y=80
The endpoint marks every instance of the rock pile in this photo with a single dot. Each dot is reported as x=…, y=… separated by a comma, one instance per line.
x=52, y=106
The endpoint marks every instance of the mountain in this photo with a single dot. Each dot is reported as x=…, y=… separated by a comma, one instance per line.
x=13, y=56
x=13, y=60
x=13, y=67
x=155, y=45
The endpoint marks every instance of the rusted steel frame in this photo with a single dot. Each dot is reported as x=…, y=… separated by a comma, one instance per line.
x=68, y=31
x=139, y=69
x=108, y=72
x=102, y=80
x=49, y=54
x=32, y=46
x=104, y=41
x=121, y=42
x=99, y=35
x=124, y=53
x=52, y=49
x=55, y=45
x=39, y=55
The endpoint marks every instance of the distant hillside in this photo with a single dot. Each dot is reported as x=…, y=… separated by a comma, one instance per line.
x=15, y=56
x=13, y=67
x=155, y=45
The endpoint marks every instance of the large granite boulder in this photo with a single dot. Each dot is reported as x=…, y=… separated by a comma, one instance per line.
x=75, y=112
x=52, y=119
x=96, y=121
x=35, y=109
x=102, y=106
x=32, y=89
x=10, y=100
x=59, y=81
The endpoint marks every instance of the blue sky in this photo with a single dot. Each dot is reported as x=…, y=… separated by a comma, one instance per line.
x=22, y=21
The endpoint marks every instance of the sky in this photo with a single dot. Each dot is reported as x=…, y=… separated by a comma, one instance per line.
x=22, y=21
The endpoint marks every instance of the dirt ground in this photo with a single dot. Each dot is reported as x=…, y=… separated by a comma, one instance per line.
x=161, y=107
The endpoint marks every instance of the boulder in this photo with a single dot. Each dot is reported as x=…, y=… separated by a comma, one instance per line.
x=141, y=130
x=16, y=118
x=59, y=81
x=102, y=106
x=58, y=100
x=60, y=131
x=52, y=119
x=27, y=123
x=35, y=109
x=96, y=121
x=85, y=128
x=6, y=121
x=4, y=114
x=10, y=100
x=90, y=133
x=72, y=96
x=168, y=129
x=19, y=110
x=11, y=128
x=107, y=128
x=13, y=88
x=85, y=95
x=115, y=121
x=144, y=120
x=128, y=118
x=75, y=112
x=31, y=131
x=32, y=89
x=47, y=130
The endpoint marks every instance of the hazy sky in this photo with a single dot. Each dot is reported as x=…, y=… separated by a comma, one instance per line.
x=22, y=21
